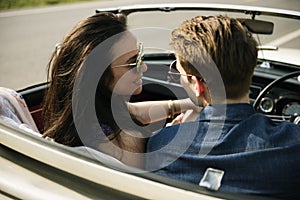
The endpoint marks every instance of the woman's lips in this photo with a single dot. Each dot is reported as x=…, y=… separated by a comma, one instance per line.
x=138, y=82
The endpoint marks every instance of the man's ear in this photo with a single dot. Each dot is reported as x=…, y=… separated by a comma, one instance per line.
x=198, y=86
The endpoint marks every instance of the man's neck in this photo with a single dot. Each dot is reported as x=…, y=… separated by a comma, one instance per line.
x=241, y=100
x=244, y=99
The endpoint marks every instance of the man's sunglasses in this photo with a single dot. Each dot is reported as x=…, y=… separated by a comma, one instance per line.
x=139, y=59
x=173, y=74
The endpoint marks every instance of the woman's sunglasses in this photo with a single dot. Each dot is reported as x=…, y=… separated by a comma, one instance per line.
x=139, y=59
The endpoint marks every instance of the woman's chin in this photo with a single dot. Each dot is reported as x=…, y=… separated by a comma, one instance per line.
x=138, y=90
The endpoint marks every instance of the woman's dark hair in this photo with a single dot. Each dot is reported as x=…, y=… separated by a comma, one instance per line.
x=63, y=68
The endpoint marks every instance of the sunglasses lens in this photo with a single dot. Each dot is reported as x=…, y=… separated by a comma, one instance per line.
x=139, y=66
x=139, y=59
x=174, y=75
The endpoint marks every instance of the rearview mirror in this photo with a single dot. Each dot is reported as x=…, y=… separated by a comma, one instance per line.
x=258, y=26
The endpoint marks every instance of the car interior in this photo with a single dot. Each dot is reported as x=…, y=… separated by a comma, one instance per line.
x=270, y=94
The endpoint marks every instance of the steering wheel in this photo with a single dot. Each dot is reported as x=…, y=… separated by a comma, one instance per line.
x=273, y=84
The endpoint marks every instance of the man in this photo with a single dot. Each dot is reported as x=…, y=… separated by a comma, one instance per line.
x=229, y=147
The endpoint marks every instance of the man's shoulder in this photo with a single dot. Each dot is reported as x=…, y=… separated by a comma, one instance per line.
x=278, y=132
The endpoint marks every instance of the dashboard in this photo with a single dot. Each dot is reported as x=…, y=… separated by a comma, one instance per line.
x=281, y=103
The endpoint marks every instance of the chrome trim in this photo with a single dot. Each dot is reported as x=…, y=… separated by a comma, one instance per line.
x=268, y=100
x=270, y=48
x=204, y=6
x=161, y=81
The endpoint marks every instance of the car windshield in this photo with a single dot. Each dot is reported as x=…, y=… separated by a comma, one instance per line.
x=154, y=29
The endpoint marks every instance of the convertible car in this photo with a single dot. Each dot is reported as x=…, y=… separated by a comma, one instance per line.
x=35, y=168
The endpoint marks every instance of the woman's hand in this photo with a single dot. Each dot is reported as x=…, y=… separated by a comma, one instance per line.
x=148, y=112
x=177, y=120
x=189, y=104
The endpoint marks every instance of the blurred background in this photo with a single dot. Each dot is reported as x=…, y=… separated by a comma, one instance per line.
x=30, y=29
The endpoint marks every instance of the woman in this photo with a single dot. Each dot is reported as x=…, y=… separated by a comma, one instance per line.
x=120, y=79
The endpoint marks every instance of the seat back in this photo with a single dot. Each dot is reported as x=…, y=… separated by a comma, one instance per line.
x=14, y=110
x=34, y=97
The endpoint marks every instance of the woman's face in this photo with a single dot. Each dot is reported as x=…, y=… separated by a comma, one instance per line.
x=127, y=80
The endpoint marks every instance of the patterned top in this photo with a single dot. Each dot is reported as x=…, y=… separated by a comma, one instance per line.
x=107, y=130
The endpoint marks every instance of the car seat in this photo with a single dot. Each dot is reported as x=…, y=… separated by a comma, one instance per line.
x=14, y=110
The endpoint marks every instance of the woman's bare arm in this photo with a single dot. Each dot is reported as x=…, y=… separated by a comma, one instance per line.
x=152, y=111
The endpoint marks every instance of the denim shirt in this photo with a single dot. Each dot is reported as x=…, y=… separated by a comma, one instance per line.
x=257, y=155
